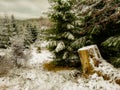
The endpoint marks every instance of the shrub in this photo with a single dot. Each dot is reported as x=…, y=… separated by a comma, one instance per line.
x=19, y=53
x=6, y=62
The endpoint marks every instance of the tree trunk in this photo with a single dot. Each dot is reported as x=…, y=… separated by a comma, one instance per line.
x=90, y=58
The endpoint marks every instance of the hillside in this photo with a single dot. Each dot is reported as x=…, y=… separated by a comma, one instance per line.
x=39, y=22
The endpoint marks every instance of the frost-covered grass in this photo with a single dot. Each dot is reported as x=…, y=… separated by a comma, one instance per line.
x=34, y=77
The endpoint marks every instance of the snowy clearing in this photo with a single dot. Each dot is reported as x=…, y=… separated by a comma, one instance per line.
x=34, y=77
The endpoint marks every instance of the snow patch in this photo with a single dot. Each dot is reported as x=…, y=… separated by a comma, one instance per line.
x=36, y=78
x=38, y=58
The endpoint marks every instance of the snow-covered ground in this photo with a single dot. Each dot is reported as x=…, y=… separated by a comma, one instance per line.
x=34, y=77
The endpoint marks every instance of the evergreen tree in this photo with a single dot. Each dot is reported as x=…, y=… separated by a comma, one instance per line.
x=100, y=24
x=14, y=28
x=27, y=36
x=8, y=30
x=4, y=32
x=64, y=33
x=30, y=34
x=34, y=33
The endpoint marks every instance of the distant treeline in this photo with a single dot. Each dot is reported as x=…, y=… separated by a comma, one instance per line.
x=28, y=30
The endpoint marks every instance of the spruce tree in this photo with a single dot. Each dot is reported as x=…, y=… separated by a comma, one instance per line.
x=8, y=30
x=100, y=24
x=27, y=36
x=34, y=33
x=14, y=26
x=5, y=32
x=64, y=33
x=30, y=34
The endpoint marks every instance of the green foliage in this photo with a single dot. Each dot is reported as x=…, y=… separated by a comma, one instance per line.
x=101, y=24
x=39, y=49
x=30, y=35
x=7, y=31
x=10, y=27
x=34, y=33
x=112, y=42
x=82, y=23
x=115, y=61
x=64, y=35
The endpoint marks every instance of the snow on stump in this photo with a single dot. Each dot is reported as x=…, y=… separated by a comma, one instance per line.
x=90, y=58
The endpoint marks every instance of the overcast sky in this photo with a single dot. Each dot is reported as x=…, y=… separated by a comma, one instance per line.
x=24, y=8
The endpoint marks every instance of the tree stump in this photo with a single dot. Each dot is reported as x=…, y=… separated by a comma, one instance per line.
x=90, y=58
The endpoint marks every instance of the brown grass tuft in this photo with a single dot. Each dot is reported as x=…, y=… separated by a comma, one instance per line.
x=6, y=64
x=117, y=81
x=106, y=77
x=50, y=66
